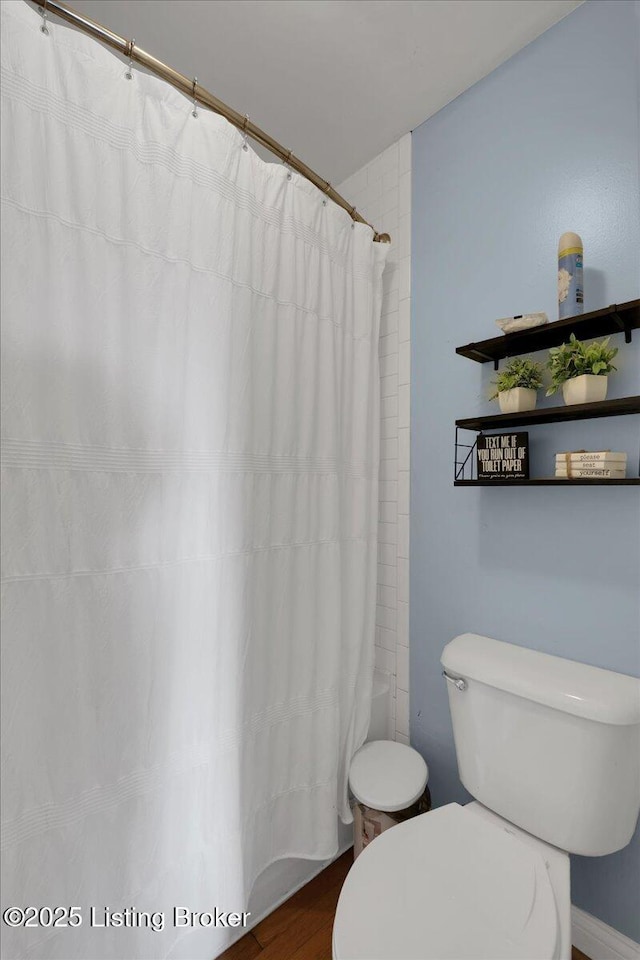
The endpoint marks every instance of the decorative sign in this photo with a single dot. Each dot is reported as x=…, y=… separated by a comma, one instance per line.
x=503, y=456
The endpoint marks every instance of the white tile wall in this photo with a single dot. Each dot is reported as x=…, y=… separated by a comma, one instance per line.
x=381, y=190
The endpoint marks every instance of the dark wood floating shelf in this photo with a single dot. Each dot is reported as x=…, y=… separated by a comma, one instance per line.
x=550, y=482
x=618, y=318
x=579, y=411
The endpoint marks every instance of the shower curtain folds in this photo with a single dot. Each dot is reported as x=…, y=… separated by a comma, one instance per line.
x=190, y=450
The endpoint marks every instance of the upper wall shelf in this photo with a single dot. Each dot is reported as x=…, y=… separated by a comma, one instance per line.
x=618, y=318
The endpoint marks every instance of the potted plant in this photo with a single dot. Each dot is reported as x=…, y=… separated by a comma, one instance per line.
x=517, y=385
x=581, y=369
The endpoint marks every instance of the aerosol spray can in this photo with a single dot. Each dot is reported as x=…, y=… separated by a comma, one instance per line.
x=570, y=284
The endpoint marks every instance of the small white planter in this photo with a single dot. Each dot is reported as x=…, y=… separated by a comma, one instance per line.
x=518, y=400
x=585, y=389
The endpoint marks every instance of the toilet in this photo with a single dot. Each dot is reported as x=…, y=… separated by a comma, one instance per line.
x=550, y=750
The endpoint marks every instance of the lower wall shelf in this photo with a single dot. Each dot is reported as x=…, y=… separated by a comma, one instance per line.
x=550, y=482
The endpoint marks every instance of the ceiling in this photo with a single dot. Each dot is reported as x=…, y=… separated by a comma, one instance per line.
x=336, y=81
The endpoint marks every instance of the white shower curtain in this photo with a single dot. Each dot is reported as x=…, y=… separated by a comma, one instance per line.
x=190, y=424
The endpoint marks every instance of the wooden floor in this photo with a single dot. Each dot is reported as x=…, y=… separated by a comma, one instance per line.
x=301, y=928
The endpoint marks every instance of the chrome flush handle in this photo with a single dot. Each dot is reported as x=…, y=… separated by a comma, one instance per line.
x=458, y=682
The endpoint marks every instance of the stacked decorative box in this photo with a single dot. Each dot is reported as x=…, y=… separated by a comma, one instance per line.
x=594, y=464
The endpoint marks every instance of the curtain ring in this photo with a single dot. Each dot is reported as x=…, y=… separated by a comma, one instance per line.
x=194, y=112
x=129, y=52
x=243, y=130
x=43, y=12
x=328, y=188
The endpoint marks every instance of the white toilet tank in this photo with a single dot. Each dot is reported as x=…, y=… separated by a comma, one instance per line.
x=549, y=744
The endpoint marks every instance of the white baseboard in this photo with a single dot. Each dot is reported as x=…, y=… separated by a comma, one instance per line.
x=599, y=941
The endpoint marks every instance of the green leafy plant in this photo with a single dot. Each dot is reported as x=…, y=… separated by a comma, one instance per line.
x=518, y=372
x=576, y=358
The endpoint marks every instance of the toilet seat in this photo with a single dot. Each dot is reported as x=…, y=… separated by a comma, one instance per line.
x=447, y=884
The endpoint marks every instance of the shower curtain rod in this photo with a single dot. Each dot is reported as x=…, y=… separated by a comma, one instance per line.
x=192, y=89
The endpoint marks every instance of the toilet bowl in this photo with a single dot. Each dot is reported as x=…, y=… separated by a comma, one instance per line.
x=461, y=883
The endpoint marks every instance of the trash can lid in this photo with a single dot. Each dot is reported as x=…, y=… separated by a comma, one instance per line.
x=387, y=776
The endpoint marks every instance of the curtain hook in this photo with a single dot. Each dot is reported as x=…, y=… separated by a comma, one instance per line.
x=130, y=45
x=194, y=112
x=43, y=13
x=285, y=161
x=245, y=145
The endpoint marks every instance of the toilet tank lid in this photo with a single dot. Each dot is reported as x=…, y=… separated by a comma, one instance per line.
x=576, y=688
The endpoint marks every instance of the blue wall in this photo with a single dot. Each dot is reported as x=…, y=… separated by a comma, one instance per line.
x=548, y=142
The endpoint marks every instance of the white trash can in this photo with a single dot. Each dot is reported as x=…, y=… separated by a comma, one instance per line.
x=389, y=783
